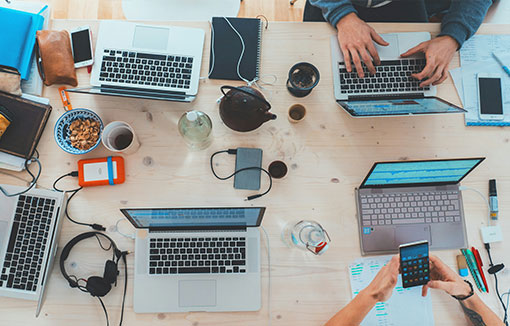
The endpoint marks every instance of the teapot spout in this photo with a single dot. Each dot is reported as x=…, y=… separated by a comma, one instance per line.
x=270, y=116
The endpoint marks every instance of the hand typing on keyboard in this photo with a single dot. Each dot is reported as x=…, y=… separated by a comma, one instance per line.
x=356, y=42
x=438, y=52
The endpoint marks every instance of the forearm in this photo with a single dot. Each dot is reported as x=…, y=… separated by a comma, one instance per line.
x=478, y=313
x=463, y=18
x=355, y=311
x=334, y=10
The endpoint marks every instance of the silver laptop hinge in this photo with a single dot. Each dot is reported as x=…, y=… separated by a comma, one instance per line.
x=196, y=231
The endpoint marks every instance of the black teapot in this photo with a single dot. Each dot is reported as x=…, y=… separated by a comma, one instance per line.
x=244, y=108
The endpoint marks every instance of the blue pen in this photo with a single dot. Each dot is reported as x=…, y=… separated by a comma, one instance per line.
x=505, y=68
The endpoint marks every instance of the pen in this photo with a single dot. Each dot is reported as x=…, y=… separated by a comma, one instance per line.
x=480, y=264
x=470, y=259
x=493, y=199
x=505, y=68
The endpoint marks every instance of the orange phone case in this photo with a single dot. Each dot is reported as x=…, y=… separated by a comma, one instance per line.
x=108, y=180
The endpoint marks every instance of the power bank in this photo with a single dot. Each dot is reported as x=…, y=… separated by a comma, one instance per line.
x=249, y=179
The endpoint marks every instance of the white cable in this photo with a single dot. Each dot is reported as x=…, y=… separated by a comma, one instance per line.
x=242, y=52
x=212, y=53
x=130, y=236
x=268, y=275
x=484, y=199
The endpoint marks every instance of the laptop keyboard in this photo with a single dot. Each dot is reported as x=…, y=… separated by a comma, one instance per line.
x=136, y=68
x=27, y=243
x=410, y=208
x=197, y=255
x=391, y=76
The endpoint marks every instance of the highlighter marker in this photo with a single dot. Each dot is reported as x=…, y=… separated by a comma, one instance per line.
x=493, y=199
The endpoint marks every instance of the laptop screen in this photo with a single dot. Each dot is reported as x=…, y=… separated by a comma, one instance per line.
x=194, y=218
x=419, y=172
x=398, y=106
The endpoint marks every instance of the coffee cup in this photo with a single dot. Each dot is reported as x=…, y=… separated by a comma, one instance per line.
x=277, y=169
x=297, y=113
x=120, y=137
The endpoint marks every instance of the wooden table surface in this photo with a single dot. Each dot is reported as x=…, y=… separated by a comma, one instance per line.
x=328, y=155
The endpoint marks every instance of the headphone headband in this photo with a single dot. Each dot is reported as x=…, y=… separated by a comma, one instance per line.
x=67, y=249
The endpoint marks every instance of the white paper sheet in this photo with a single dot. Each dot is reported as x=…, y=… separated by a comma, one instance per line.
x=405, y=307
x=480, y=47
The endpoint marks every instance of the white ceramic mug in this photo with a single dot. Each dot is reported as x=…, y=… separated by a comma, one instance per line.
x=120, y=137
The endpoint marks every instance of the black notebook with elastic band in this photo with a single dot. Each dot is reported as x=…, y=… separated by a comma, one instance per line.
x=226, y=48
x=28, y=121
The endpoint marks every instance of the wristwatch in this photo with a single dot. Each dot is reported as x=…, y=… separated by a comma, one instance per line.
x=464, y=297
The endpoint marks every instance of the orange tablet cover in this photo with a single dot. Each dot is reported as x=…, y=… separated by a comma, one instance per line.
x=101, y=171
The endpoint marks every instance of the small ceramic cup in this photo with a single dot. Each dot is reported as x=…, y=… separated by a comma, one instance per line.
x=120, y=137
x=277, y=169
x=297, y=112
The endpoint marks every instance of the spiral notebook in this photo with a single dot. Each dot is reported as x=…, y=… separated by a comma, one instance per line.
x=226, y=48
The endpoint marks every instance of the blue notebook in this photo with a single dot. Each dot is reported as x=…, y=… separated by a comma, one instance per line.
x=17, y=38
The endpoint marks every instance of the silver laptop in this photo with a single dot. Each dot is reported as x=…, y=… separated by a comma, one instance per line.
x=154, y=62
x=391, y=91
x=29, y=231
x=407, y=201
x=196, y=259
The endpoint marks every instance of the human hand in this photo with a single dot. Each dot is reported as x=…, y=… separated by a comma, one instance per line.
x=444, y=278
x=438, y=53
x=384, y=282
x=356, y=41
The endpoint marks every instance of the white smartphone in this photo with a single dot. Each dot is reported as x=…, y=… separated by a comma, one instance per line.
x=490, y=97
x=81, y=44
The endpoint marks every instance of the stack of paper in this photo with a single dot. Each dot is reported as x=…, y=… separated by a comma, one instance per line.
x=405, y=307
x=476, y=57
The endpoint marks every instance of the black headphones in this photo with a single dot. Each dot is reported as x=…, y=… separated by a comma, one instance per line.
x=97, y=286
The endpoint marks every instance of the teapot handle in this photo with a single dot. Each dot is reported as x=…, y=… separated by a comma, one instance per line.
x=261, y=99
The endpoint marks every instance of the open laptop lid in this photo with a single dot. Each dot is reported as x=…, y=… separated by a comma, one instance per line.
x=204, y=218
x=419, y=173
x=398, y=105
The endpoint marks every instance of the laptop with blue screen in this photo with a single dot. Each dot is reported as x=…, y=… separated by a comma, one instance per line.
x=407, y=201
x=391, y=91
x=196, y=259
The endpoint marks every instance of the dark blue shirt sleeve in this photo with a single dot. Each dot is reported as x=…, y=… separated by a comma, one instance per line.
x=463, y=19
x=334, y=10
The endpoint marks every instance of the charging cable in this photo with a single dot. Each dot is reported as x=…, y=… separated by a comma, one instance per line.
x=33, y=182
x=234, y=152
x=483, y=198
x=493, y=269
x=73, y=192
x=268, y=275
x=130, y=236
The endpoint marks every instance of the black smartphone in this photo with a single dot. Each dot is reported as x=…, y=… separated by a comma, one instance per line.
x=414, y=263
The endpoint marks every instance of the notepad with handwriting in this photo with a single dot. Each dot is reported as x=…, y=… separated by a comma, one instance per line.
x=227, y=48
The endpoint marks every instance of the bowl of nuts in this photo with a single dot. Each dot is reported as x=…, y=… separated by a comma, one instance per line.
x=78, y=131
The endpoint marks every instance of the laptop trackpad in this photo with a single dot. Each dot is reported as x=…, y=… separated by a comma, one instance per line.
x=379, y=239
x=389, y=52
x=201, y=293
x=3, y=233
x=406, y=234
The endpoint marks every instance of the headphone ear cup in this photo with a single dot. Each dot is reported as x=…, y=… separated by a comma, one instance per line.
x=97, y=286
x=110, y=272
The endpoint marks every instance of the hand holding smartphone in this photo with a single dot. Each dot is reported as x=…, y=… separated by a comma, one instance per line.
x=81, y=44
x=414, y=263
